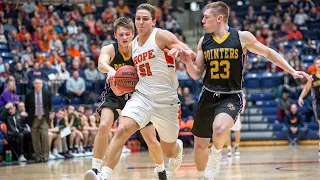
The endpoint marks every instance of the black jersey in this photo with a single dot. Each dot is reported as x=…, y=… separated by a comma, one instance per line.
x=224, y=62
x=120, y=59
x=315, y=87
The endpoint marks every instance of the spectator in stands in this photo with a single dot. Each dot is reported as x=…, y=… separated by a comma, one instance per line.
x=87, y=7
x=251, y=15
x=35, y=73
x=283, y=106
x=121, y=7
x=295, y=34
x=175, y=29
x=91, y=73
x=259, y=37
x=306, y=4
x=9, y=95
x=76, y=136
x=5, y=6
x=108, y=41
x=83, y=47
x=55, y=59
x=309, y=48
x=170, y=21
x=56, y=45
x=109, y=14
x=29, y=8
x=72, y=28
x=301, y=17
x=3, y=38
x=264, y=12
x=54, y=137
x=44, y=45
x=73, y=52
x=260, y=22
x=75, y=15
x=189, y=101
x=259, y=66
x=293, y=125
x=63, y=72
x=181, y=72
x=73, y=40
x=15, y=125
x=8, y=27
x=287, y=84
x=28, y=42
x=76, y=87
x=81, y=36
x=314, y=15
x=5, y=74
x=16, y=60
x=20, y=74
x=38, y=105
x=15, y=44
x=37, y=36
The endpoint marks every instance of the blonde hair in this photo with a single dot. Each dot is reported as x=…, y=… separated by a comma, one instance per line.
x=13, y=84
x=221, y=9
x=123, y=22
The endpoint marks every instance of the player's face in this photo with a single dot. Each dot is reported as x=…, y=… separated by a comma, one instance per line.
x=124, y=36
x=210, y=21
x=317, y=64
x=144, y=22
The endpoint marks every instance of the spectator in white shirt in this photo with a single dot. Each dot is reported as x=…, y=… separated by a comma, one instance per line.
x=301, y=17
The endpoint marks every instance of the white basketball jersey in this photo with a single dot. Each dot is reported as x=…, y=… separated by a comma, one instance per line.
x=155, y=69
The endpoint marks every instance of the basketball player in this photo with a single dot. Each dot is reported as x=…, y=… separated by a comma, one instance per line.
x=222, y=52
x=155, y=97
x=315, y=93
x=237, y=133
x=111, y=58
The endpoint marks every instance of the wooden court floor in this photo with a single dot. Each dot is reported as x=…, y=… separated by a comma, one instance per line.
x=264, y=162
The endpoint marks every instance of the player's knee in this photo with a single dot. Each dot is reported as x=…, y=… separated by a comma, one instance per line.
x=152, y=145
x=122, y=130
x=105, y=127
x=220, y=131
x=169, y=153
x=85, y=133
x=200, y=146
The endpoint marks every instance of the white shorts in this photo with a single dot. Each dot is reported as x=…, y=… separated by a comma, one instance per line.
x=237, y=126
x=162, y=112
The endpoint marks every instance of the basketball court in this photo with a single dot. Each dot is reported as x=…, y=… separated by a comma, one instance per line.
x=259, y=162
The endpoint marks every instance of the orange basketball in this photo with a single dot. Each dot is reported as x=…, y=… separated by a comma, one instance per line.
x=126, y=78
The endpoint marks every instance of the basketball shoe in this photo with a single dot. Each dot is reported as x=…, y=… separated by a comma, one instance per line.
x=92, y=174
x=213, y=166
x=161, y=175
x=175, y=163
x=229, y=154
x=236, y=150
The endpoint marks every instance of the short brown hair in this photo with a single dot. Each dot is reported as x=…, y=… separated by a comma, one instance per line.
x=123, y=22
x=221, y=9
x=149, y=8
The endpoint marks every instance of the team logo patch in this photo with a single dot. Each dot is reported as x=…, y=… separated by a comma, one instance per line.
x=231, y=107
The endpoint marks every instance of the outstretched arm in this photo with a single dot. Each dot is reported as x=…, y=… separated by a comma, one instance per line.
x=105, y=58
x=304, y=92
x=251, y=44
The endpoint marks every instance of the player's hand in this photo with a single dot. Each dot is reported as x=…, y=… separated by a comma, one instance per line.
x=301, y=74
x=111, y=73
x=115, y=87
x=300, y=102
x=184, y=56
x=174, y=52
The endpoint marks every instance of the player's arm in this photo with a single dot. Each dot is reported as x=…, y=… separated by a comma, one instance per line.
x=105, y=58
x=253, y=45
x=194, y=68
x=168, y=40
x=304, y=92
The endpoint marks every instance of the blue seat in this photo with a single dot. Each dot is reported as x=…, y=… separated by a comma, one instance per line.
x=312, y=134
x=56, y=100
x=6, y=55
x=77, y=101
x=269, y=80
x=277, y=127
x=252, y=80
x=89, y=86
x=313, y=125
x=269, y=110
x=270, y=103
x=271, y=118
x=3, y=47
x=307, y=58
x=280, y=135
x=260, y=96
x=196, y=97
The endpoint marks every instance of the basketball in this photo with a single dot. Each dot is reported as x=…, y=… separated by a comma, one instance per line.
x=126, y=78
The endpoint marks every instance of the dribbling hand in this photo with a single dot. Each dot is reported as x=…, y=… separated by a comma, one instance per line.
x=114, y=87
x=111, y=73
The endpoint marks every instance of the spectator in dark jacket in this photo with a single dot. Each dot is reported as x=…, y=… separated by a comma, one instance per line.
x=15, y=122
x=293, y=125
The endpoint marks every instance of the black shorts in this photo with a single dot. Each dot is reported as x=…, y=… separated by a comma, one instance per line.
x=316, y=108
x=209, y=106
x=110, y=100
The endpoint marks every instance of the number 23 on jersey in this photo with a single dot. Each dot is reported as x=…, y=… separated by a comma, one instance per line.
x=215, y=66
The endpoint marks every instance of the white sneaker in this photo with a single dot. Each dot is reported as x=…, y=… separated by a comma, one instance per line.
x=213, y=166
x=204, y=178
x=175, y=163
x=91, y=175
x=58, y=156
x=126, y=150
x=52, y=157
x=236, y=150
x=22, y=159
x=229, y=154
